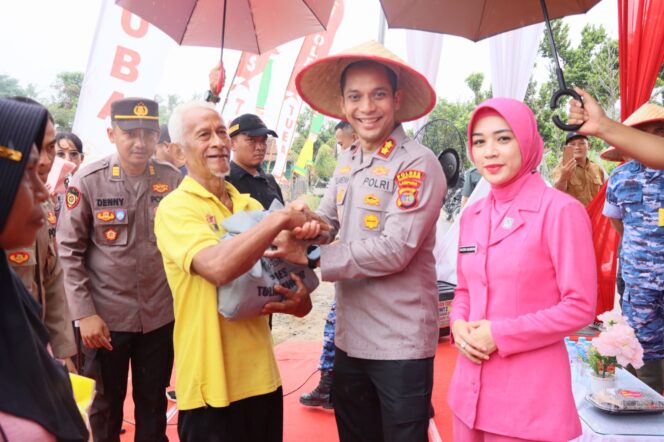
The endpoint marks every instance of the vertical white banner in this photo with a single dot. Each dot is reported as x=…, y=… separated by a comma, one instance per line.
x=126, y=59
x=424, y=50
x=314, y=47
x=512, y=59
x=254, y=87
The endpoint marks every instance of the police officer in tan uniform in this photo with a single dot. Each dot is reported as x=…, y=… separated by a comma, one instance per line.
x=383, y=200
x=114, y=274
x=39, y=267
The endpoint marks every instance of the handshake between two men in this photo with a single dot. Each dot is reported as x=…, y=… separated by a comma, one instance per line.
x=304, y=230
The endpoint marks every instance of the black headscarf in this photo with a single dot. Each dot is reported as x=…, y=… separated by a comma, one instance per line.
x=34, y=386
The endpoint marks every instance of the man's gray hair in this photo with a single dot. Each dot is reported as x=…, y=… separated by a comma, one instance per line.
x=176, y=122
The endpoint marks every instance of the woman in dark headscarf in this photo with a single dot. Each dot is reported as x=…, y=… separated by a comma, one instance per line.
x=37, y=402
x=526, y=279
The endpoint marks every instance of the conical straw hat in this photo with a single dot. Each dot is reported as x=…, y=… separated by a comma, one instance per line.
x=647, y=113
x=612, y=154
x=319, y=82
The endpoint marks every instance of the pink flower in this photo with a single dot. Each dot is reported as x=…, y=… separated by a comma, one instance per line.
x=619, y=341
x=612, y=317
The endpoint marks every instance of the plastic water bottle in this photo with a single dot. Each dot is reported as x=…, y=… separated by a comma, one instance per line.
x=572, y=354
x=583, y=366
x=583, y=342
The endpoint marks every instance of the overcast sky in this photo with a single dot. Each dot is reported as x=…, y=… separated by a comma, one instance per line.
x=39, y=38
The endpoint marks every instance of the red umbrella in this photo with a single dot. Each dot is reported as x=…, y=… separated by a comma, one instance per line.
x=479, y=19
x=246, y=25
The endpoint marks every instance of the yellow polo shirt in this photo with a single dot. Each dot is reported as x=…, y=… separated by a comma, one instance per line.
x=217, y=361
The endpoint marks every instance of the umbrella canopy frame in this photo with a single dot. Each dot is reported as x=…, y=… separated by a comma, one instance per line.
x=479, y=19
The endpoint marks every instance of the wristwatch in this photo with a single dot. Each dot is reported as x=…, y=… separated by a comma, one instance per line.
x=313, y=256
x=212, y=98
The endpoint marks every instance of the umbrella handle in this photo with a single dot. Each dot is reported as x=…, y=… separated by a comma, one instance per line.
x=554, y=105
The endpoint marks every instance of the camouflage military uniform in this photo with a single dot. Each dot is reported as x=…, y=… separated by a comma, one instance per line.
x=635, y=193
x=327, y=355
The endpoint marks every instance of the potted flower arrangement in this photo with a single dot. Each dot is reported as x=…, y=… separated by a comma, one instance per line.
x=616, y=346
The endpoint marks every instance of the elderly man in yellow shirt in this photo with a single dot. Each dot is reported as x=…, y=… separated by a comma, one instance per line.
x=228, y=385
x=579, y=176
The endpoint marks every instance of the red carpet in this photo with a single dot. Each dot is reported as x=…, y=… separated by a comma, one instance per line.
x=297, y=361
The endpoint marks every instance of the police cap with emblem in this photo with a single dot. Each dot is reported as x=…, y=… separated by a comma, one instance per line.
x=251, y=125
x=21, y=126
x=318, y=83
x=135, y=113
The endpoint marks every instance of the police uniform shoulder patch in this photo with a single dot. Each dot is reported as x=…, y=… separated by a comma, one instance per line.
x=93, y=167
x=386, y=149
x=160, y=187
x=212, y=222
x=73, y=197
x=19, y=257
x=409, y=183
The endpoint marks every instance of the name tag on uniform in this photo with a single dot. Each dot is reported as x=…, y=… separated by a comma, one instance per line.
x=661, y=217
x=468, y=249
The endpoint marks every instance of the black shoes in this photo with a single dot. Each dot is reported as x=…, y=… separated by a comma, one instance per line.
x=320, y=396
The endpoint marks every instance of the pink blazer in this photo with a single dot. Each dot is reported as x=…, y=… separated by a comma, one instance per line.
x=534, y=278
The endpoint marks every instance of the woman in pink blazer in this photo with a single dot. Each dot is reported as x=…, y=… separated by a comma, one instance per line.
x=526, y=279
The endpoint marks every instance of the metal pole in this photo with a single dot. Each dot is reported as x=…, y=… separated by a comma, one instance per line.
x=552, y=43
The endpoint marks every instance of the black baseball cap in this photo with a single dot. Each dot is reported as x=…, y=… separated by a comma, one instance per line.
x=571, y=135
x=251, y=125
x=135, y=113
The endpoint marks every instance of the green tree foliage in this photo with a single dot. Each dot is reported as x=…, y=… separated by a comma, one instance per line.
x=167, y=105
x=591, y=65
x=67, y=88
x=302, y=125
x=325, y=162
x=474, y=82
x=458, y=115
x=11, y=87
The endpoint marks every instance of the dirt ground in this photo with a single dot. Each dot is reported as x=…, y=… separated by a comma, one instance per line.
x=309, y=328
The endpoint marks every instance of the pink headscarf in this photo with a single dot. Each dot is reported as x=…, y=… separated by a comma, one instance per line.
x=524, y=125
